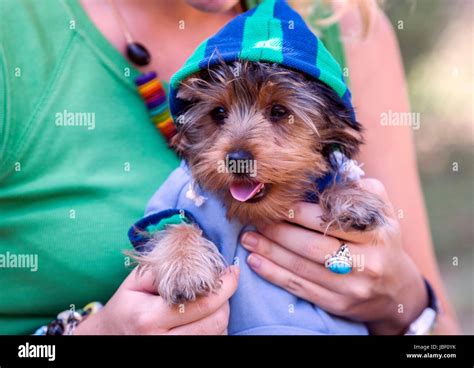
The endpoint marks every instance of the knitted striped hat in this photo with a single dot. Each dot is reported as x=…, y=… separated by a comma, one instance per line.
x=272, y=32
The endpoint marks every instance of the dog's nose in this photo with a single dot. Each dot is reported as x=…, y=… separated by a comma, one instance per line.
x=239, y=156
x=240, y=162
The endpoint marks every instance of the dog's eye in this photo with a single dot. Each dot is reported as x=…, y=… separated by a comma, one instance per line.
x=219, y=114
x=278, y=111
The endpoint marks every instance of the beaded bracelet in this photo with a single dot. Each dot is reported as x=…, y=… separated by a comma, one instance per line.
x=67, y=321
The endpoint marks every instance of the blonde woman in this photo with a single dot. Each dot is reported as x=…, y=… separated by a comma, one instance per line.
x=68, y=193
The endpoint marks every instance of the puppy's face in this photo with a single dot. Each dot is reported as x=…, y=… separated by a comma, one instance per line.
x=257, y=134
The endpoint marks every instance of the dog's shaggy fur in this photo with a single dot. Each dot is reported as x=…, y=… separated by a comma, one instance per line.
x=183, y=262
x=290, y=146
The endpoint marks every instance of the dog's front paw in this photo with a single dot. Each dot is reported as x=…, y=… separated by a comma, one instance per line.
x=184, y=263
x=350, y=207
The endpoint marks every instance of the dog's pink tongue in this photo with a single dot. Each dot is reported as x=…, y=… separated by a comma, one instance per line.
x=244, y=191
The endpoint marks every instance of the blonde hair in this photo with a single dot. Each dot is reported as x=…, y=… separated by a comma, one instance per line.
x=365, y=9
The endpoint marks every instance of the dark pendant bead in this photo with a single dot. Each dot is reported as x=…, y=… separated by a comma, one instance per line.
x=55, y=328
x=138, y=54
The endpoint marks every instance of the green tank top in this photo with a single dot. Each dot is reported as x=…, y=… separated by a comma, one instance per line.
x=79, y=159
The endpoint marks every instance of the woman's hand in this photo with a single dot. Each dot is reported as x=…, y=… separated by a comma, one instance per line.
x=136, y=309
x=384, y=289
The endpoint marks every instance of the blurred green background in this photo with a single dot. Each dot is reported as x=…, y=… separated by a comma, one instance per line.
x=437, y=47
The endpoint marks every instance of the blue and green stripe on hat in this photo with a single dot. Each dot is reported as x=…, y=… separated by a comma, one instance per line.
x=272, y=32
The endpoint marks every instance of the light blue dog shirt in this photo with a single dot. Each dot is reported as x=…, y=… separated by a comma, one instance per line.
x=258, y=307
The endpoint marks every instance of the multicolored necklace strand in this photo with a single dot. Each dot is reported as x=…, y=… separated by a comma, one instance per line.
x=148, y=85
x=152, y=91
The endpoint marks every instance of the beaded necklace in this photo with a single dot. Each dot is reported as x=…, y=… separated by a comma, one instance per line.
x=154, y=95
x=148, y=84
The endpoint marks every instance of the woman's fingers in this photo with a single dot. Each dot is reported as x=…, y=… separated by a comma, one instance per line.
x=308, y=244
x=309, y=215
x=265, y=247
x=375, y=186
x=205, y=306
x=299, y=265
x=296, y=285
x=140, y=280
x=164, y=316
x=213, y=324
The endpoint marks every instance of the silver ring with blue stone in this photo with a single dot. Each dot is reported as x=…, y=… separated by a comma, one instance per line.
x=341, y=261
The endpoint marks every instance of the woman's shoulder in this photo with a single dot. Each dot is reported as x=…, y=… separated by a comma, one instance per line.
x=33, y=37
x=33, y=31
x=33, y=34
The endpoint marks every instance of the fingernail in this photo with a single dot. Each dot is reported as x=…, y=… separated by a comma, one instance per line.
x=254, y=261
x=249, y=240
x=234, y=269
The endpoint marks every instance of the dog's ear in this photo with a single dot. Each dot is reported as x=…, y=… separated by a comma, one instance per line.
x=180, y=144
x=195, y=87
x=188, y=93
x=340, y=127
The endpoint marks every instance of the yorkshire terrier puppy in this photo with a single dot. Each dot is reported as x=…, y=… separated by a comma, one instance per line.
x=277, y=132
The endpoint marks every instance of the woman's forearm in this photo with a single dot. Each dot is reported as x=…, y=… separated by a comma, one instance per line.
x=389, y=153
